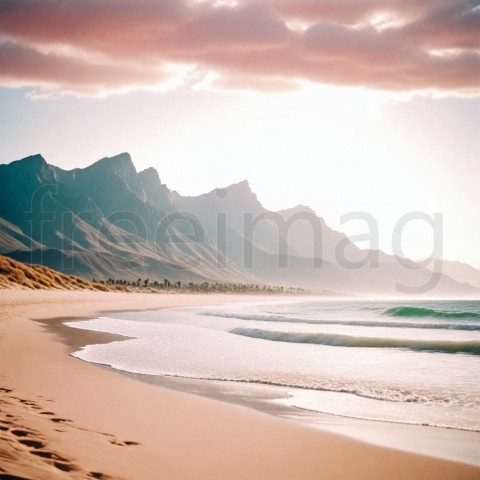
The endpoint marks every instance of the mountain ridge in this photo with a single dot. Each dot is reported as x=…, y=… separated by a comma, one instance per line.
x=108, y=219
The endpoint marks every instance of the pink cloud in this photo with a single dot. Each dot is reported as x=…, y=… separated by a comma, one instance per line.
x=20, y=65
x=351, y=12
x=249, y=26
x=99, y=45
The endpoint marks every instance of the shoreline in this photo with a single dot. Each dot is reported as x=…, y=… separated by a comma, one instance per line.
x=435, y=441
x=104, y=425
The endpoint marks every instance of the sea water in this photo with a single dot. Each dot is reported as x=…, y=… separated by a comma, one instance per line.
x=414, y=362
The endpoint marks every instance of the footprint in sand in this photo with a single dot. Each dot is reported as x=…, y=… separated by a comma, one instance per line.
x=99, y=476
x=32, y=443
x=49, y=455
x=30, y=439
x=60, y=420
x=21, y=433
x=31, y=404
x=7, y=476
x=65, y=467
x=123, y=444
x=38, y=449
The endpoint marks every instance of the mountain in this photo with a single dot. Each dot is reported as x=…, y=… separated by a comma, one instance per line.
x=459, y=271
x=108, y=220
x=98, y=221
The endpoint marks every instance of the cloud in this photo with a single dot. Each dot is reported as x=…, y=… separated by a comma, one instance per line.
x=20, y=65
x=347, y=12
x=100, y=46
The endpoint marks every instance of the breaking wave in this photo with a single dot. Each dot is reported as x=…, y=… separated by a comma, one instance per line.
x=354, y=323
x=333, y=340
x=427, y=312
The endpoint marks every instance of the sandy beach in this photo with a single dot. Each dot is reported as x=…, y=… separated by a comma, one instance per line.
x=64, y=418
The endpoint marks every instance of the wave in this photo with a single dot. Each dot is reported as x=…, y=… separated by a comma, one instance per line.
x=421, y=423
x=443, y=346
x=353, y=323
x=427, y=312
x=358, y=389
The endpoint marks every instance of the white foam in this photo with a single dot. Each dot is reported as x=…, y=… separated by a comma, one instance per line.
x=415, y=387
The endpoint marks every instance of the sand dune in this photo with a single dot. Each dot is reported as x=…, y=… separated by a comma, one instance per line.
x=19, y=275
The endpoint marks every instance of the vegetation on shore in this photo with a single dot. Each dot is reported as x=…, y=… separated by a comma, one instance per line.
x=203, y=287
x=15, y=274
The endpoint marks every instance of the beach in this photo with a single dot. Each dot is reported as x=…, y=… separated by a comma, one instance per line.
x=65, y=418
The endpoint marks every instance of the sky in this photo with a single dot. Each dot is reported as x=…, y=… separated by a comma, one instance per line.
x=359, y=105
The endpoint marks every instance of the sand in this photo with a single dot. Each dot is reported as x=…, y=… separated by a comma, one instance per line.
x=64, y=418
x=24, y=276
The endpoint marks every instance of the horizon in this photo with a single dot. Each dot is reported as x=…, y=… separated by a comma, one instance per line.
x=360, y=106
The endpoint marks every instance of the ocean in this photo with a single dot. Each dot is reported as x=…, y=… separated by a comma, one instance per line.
x=411, y=362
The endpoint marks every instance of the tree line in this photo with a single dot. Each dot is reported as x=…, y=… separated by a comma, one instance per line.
x=203, y=287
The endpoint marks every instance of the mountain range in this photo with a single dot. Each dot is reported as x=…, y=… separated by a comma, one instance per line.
x=108, y=220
